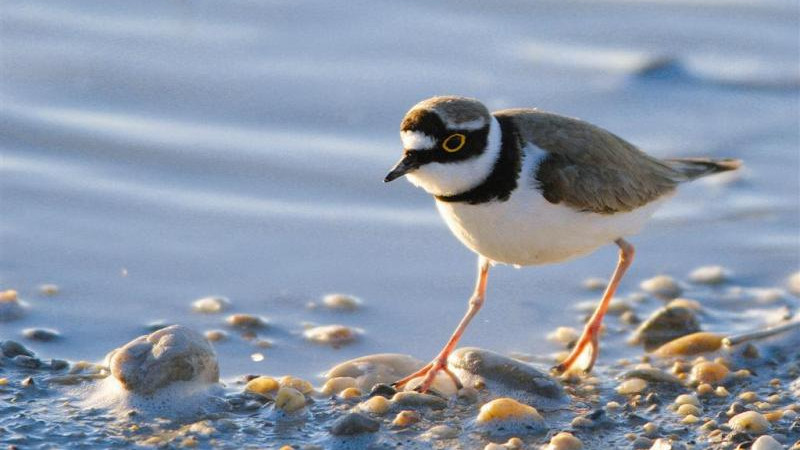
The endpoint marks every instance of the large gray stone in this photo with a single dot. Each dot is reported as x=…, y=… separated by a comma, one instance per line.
x=664, y=325
x=169, y=355
x=373, y=369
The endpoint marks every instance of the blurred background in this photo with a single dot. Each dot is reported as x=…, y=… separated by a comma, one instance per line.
x=155, y=152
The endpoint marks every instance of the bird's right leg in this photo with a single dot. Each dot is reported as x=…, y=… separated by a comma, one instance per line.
x=440, y=362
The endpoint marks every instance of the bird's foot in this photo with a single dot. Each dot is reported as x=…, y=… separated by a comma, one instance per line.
x=429, y=372
x=583, y=355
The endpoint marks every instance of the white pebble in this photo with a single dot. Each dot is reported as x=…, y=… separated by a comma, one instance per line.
x=335, y=335
x=563, y=335
x=632, y=386
x=341, y=302
x=709, y=275
x=794, y=283
x=749, y=422
x=662, y=286
x=210, y=305
x=595, y=284
x=766, y=442
x=564, y=441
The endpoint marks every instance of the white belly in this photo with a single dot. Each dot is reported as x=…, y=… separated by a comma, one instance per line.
x=527, y=229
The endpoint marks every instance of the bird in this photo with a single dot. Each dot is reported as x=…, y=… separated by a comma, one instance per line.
x=526, y=187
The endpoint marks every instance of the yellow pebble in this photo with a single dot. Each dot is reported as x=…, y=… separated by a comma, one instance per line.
x=3, y=381
x=376, y=405
x=774, y=398
x=262, y=385
x=744, y=373
x=650, y=429
x=338, y=384
x=301, y=385
x=721, y=391
x=691, y=418
x=506, y=408
x=286, y=447
x=290, y=400
x=514, y=443
x=632, y=386
x=705, y=389
x=687, y=409
x=406, y=418
x=748, y=397
x=691, y=344
x=709, y=372
x=687, y=399
x=351, y=392
x=564, y=441
x=613, y=406
x=773, y=416
x=189, y=442
x=749, y=422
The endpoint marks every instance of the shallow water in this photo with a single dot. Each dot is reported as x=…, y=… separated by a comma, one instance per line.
x=162, y=152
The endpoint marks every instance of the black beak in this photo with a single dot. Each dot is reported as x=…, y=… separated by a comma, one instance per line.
x=405, y=165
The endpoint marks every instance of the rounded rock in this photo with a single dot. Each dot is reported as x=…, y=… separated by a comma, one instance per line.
x=406, y=418
x=341, y=302
x=338, y=384
x=766, y=442
x=48, y=289
x=262, y=385
x=503, y=409
x=375, y=405
x=156, y=360
x=691, y=344
x=709, y=372
x=246, y=321
x=335, y=335
x=211, y=305
x=10, y=349
x=296, y=383
x=216, y=335
x=749, y=422
x=709, y=275
x=289, y=400
x=564, y=335
x=354, y=423
x=11, y=307
x=663, y=286
x=632, y=386
x=664, y=325
x=564, y=441
x=351, y=392
x=41, y=334
x=412, y=399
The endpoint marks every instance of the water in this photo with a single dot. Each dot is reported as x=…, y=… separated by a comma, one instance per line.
x=158, y=152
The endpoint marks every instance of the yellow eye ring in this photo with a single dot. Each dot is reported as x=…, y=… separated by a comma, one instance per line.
x=454, y=142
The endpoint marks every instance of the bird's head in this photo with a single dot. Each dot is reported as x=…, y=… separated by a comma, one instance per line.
x=444, y=139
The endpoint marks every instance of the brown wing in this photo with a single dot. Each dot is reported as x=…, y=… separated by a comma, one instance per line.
x=589, y=168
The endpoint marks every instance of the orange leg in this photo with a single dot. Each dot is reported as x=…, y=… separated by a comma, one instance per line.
x=440, y=362
x=589, y=338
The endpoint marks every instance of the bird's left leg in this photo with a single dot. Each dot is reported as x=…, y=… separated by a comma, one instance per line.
x=589, y=339
x=440, y=362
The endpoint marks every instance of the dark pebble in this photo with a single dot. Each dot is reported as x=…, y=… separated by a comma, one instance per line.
x=12, y=348
x=664, y=325
x=384, y=390
x=652, y=399
x=28, y=382
x=41, y=334
x=27, y=362
x=735, y=408
x=58, y=364
x=354, y=423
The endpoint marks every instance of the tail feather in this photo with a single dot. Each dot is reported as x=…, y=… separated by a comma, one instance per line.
x=692, y=168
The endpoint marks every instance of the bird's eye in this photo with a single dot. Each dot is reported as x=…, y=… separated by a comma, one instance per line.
x=454, y=142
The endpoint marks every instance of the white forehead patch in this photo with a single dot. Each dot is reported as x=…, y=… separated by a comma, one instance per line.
x=476, y=124
x=416, y=140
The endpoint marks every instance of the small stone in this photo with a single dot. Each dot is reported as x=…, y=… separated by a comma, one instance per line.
x=630, y=318
x=374, y=369
x=704, y=389
x=382, y=389
x=503, y=409
x=375, y=405
x=41, y=334
x=28, y=382
x=667, y=444
x=749, y=422
x=11, y=349
x=686, y=409
x=441, y=432
x=246, y=321
x=412, y=399
x=664, y=325
x=351, y=392
x=793, y=283
x=734, y=409
x=642, y=442
x=216, y=335
x=211, y=305
x=690, y=419
x=650, y=429
x=694, y=305
x=48, y=289
x=766, y=442
x=709, y=372
x=748, y=397
x=709, y=275
x=289, y=400
x=564, y=441
x=354, y=423
x=582, y=422
x=262, y=385
x=692, y=344
x=595, y=284
x=335, y=335
x=296, y=383
x=172, y=354
x=687, y=399
x=11, y=307
x=721, y=391
x=406, y=418
x=564, y=335
x=662, y=286
x=341, y=302
x=27, y=362
x=632, y=386
x=338, y=384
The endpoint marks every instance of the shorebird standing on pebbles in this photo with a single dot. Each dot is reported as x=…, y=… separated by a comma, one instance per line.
x=527, y=187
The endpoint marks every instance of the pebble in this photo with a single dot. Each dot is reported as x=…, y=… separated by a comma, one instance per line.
x=687, y=409
x=412, y=399
x=793, y=283
x=441, y=432
x=335, y=335
x=582, y=422
x=664, y=325
x=691, y=344
x=172, y=354
x=650, y=429
x=748, y=397
x=667, y=444
x=694, y=305
x=211, y=305
x=375, y=405
x=595, y=284
x=564, y=441
x=384, y=390
x=27, y=362
x=11, y=349
x=766, y=442
x=406, y=418
x=501, y=373
x=351, y=392
x=632, y=386
x=289, y=400
x=374, y=369
x=709, y=372
x=354, y=423
x=11, y=307
x=709, y=275
x=687, y=399
x=296, y=383
x=564, y=335
x=341, y=302
x=216, y=335
x=749, y=422
x=338, y=384
x=690, y=419
x=504, y=409
x=246, y=321
x=41, y=334
x=663, y=286
x=262, y=385
x=49, y=289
